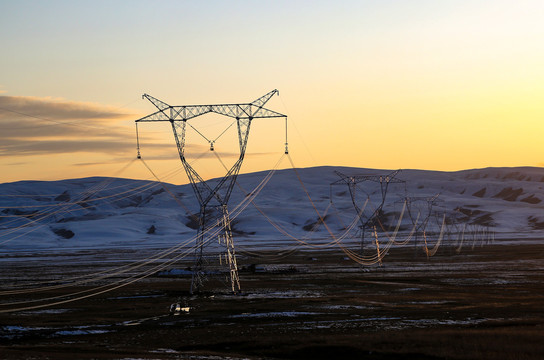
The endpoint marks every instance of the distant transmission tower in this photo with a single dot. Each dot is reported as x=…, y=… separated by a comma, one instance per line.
x=213, y=200
x=419, y=211
x=366, y=219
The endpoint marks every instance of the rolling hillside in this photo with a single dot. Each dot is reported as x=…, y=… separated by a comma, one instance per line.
x=113, y=212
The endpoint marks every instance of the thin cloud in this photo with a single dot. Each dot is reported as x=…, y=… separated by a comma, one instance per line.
x=43, y=147
x=101, y=163
x=192, y=152
x=257, y=154
x=37, y=126
x=27, y=117
x=189, y=158
x=56, y=109
x=15, y=128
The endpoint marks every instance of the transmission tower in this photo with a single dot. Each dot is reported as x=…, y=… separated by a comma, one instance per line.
x=213, y=199
x=351, y=181
x=420, y=220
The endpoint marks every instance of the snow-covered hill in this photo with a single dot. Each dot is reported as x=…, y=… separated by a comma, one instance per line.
x=111, y=212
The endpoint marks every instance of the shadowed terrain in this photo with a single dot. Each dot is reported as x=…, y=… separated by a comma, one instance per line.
x=484, y=303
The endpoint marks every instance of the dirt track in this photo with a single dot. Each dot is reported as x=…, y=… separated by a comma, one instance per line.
x=485, y=303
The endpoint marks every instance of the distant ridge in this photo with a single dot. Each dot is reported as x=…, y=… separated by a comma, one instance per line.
x=102, y=211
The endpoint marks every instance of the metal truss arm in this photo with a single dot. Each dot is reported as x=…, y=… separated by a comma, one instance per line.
x=245, y=111
x=156, y=116
x=264, y=99
x=161, y=105
x=389, y=178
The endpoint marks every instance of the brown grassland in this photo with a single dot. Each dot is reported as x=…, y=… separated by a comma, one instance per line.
x=484, y=303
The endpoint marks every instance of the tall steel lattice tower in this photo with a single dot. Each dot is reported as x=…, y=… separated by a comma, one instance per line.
x=213, y=199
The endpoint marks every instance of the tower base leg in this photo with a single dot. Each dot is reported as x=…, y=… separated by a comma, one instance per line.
x=226, y=258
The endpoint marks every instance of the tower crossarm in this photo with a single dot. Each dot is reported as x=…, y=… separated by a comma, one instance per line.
x=237, y=111
x=253, y=110
x=178, y=113
x=388, y=178
x=156, y=116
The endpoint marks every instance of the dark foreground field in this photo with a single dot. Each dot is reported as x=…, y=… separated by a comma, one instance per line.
x=485, y=303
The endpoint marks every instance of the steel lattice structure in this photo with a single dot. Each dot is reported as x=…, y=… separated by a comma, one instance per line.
x=421, y=219
x=217, y=196
x=352, y=180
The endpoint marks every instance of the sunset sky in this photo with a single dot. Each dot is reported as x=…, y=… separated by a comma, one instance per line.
x=439, y=85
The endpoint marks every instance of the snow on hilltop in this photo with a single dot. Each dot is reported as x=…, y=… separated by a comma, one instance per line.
x=102, y=212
